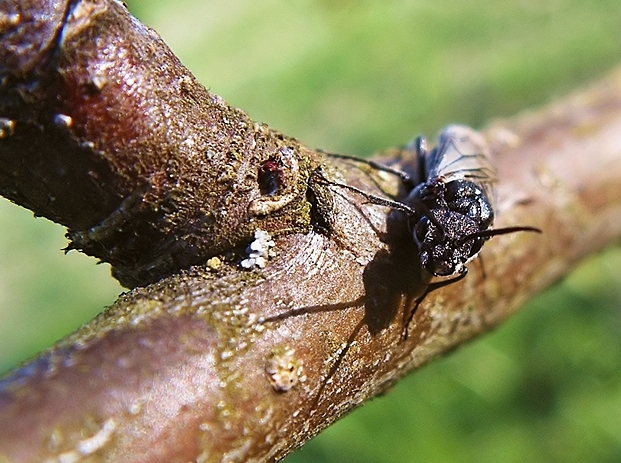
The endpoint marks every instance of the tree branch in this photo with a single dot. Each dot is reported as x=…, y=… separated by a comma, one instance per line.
x=188, y=368
x=106, y=132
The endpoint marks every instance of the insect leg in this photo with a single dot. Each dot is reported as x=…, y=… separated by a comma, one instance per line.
x=419, y=146
x=407, y=180
x=370, y=197
x=430, y=288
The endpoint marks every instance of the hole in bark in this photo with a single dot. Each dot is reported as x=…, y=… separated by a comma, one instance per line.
x=270, y=177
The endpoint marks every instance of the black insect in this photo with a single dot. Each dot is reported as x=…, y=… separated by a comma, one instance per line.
x=448, y=209
x=449, y=203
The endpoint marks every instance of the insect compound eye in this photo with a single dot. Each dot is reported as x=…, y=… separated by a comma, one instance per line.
x=434, y=255
x=270, y=177
x=425, y=231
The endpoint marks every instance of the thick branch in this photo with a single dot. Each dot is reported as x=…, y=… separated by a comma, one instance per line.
x=182, y=369
x=185, y=370
x=104, y=131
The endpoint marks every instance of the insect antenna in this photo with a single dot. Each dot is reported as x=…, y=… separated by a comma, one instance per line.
x=462, y=272
x=498, y=231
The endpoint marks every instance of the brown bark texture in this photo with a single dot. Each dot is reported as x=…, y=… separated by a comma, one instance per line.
x=104, y=131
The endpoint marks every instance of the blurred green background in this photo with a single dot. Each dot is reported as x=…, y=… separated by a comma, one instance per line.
x=355, y=77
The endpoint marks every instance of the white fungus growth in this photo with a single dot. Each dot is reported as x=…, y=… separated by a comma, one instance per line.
x=259, y=250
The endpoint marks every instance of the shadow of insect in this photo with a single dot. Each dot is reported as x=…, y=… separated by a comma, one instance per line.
x=439, y=226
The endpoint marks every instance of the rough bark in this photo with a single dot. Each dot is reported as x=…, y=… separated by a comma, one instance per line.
x=105, y=132
x=188, y=368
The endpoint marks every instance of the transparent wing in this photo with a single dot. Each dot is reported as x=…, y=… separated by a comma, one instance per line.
x=462, y=153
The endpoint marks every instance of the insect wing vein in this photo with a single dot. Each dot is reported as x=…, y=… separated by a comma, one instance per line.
x=462, y=154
